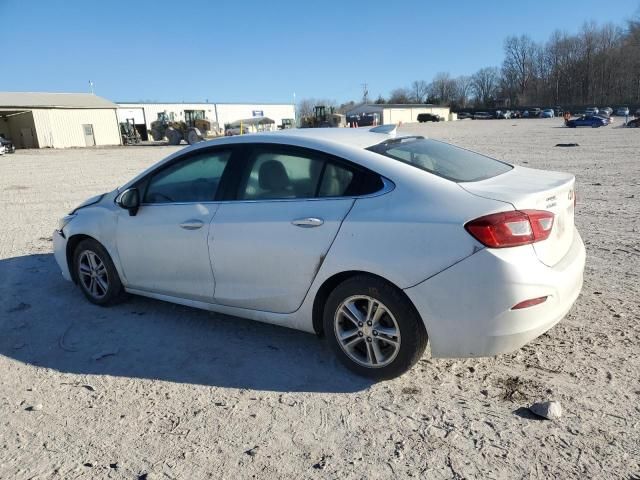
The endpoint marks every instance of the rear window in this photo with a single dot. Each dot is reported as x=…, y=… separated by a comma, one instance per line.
x=446, y=161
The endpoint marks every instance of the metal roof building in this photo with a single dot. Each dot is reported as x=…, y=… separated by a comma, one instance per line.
x=399, y=113
x=143, y=113
x=58, y=120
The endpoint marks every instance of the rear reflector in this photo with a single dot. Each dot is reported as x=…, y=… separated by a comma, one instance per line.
x=511, y=229
x=529, y=303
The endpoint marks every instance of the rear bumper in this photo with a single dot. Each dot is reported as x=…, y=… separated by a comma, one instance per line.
x=60, y=253
x=467, y=308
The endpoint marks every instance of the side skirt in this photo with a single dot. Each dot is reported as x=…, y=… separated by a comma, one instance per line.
x=289, y=320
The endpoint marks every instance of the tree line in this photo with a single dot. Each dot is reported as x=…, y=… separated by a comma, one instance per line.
x=598, y=65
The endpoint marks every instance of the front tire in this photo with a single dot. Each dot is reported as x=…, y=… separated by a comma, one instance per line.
x=96, y=274
x=373, y=328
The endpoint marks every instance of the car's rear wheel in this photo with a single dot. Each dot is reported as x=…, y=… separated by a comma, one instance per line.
x=373, y=328
x=96, y=274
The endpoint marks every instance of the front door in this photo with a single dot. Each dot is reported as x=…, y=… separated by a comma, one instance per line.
x=26, y=135
x=164, y=248
x=268, y=244
x=89, y=139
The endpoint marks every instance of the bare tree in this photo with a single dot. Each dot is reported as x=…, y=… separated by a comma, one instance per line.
x=485, y=84
x=442, y=88
x=463, y=88
x=400, y=95
x=519, y=61
x=419, y=91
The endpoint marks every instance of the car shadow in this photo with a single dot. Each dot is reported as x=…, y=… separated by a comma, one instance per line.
x=46, y=322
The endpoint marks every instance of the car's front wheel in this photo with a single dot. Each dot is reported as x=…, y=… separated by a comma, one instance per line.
x=96, y=273
x=373, y=328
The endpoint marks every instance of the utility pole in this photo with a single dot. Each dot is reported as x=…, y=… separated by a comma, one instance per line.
x=365, y=92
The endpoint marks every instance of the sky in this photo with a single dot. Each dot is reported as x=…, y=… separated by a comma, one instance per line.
x=267, y=51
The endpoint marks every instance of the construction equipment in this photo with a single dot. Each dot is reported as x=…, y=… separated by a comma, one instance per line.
x=128, y=132
x=287, y=123
x=194, y=129
x=323, y=117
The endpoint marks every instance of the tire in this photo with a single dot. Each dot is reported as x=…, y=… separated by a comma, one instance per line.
x=193, y=136
x=394, y=353
x=157, y=135
x=173, y=136
x=97, y=276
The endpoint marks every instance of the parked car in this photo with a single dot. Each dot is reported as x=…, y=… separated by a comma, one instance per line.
x=464, y=115
x=6, y=146
x=516, y=114
x=607, y=110
x=622, y=112
x=482, y=116
x=547, y=113
x=558, y=111
x=635, y=123
x=428, y=117
x=592, y=111
x=532, y=113
x=605, y=117
x=503, y=114
x=587, y=121
x=324, y=230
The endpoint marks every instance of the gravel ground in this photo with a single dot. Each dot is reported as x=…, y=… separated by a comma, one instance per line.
x=151, y=388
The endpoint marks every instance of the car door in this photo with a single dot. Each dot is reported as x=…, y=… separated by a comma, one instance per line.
x=164, y=247
x=268, y=244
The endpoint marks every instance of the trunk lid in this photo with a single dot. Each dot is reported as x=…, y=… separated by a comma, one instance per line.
x=526, y=188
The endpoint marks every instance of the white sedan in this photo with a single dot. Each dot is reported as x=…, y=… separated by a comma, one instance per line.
x=380, y=242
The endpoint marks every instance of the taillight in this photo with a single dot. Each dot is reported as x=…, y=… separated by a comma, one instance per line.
x=510, y=229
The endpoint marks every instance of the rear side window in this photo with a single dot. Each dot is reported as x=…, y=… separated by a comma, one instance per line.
x=274, y=172
x=447, y=161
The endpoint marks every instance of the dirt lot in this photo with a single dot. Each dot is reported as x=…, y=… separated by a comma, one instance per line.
x=152, y=388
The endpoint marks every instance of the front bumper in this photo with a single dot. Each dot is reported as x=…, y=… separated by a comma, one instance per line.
x=60, y=253
x=467, y=308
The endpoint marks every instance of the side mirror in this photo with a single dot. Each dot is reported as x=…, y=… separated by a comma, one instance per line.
x=130, y=200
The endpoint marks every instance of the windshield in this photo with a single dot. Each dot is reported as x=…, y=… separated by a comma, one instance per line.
x=453, y=163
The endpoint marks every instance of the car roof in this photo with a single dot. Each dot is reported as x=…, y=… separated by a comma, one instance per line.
x=353, y=137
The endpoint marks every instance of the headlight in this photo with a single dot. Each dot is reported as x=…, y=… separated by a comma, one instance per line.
x=64, y=221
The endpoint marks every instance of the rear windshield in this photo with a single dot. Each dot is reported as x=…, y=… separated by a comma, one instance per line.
x=453, y=163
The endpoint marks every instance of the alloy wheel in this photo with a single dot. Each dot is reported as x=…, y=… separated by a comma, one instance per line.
x=93, y=274
x=367, y=331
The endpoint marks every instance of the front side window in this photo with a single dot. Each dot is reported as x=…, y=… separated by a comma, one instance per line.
x=285, y=175
x=442, y=159
x=194, y=179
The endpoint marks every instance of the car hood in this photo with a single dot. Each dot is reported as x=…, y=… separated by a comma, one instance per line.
x=89, y=201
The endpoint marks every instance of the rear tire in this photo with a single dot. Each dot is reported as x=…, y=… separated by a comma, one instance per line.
x=193, y=136
x=373, y=328
x=96, y=274
x=173, y=136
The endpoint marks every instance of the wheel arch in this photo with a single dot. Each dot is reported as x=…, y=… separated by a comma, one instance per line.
x=322, y=294
x=72, y=243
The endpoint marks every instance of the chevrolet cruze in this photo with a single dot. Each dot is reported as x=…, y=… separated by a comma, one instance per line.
x=382, y=243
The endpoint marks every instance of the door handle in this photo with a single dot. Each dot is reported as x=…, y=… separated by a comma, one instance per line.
x=192, y=224
x=308, y=222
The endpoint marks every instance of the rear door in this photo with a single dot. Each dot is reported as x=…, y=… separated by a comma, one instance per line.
x=268, y=243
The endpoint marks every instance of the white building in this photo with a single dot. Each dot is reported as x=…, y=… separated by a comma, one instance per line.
x=58, y=120
x=222, y=113
x=396, y=113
